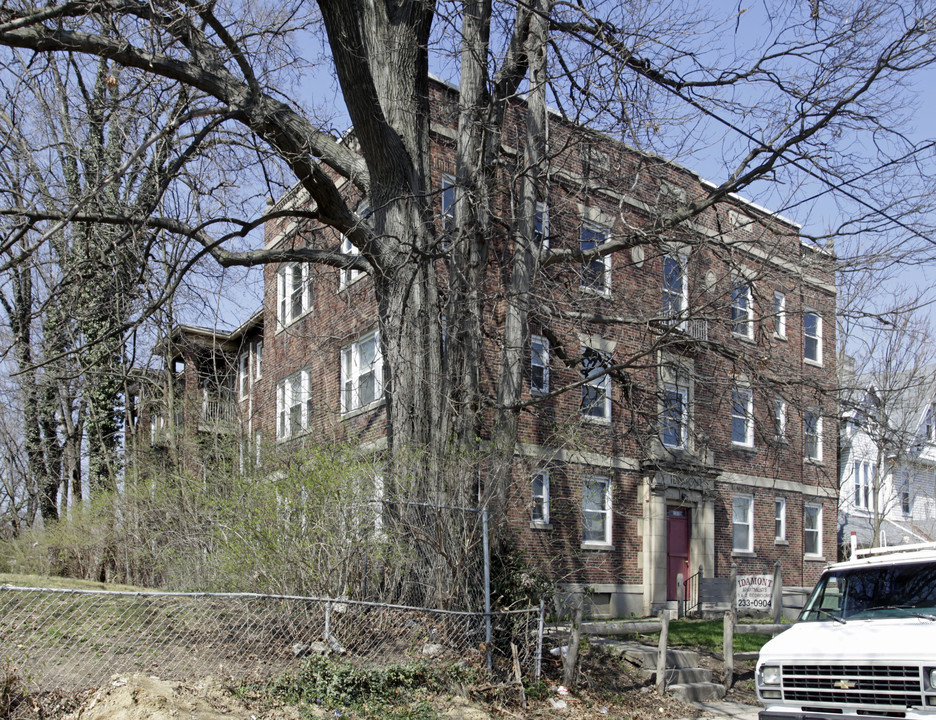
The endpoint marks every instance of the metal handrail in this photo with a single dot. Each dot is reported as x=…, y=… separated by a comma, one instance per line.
x=691, y=593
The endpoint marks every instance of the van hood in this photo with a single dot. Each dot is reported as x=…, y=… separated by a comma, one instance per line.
x=904, y=640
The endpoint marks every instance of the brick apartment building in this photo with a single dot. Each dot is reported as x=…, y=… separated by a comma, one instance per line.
x=715, y=446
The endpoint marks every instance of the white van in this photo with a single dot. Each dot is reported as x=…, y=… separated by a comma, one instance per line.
x=864, y=645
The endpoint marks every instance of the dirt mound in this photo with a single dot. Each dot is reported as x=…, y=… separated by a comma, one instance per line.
x=139, y=697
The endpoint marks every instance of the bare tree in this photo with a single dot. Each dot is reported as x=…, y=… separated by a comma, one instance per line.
x=79, y=132
x=797, y=102
x=886, y=392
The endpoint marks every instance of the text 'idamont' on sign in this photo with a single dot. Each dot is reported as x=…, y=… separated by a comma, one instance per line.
x=755, y=592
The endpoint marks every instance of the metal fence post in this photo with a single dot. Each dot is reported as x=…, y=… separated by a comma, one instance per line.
x=328, y=607
x=487, y=585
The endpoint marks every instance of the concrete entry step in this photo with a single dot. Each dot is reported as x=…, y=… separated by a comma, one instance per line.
x=646, y=657
x=683, y=676
x=697, y=692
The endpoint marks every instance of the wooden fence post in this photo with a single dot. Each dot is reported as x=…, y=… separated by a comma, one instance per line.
x=776, y=600
x=733, y=590
x=728, y=649
x=661, y=651
x=571, y=658
x=680, y=595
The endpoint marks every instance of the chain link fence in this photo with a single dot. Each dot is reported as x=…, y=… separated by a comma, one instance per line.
x=69, y=640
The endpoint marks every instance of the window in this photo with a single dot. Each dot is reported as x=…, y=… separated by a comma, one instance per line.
x=596, y=511
x=742, y=417
x=293, y=405
x=929, y=424
x=812, y=529
x=812, y=337
x=779, y=418
x=812, y=434
x=540, y=492
x=596, y=273
x=905, y=493
x=779, y=315
x=539, y=364
x=742, y=523
x=448, y=210
x=293, y=292
x=361, y=373
x=243, y=375
x=675, y=425
x=258, y=359
x=675, y=296
x=596, y=392
x=780, y=518
x=541, y=226
x=348, y=274
x=379, y=497
x=742, y=309
x=863, y=481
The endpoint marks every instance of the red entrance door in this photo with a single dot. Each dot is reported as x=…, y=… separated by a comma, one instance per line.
x=677, y=547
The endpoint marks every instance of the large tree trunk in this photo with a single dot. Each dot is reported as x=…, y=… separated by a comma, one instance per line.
x=382, y=67
x=522, y=267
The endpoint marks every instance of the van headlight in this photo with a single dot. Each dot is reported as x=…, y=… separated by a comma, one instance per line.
x=769, y=675
x=932, y=677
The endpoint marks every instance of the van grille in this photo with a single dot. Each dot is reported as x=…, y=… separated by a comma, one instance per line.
x=885, y=686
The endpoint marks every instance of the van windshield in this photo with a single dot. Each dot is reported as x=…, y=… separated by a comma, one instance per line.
x=906, y=590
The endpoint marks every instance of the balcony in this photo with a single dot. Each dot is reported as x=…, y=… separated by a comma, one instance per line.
x=696, y=328
x=218, y=414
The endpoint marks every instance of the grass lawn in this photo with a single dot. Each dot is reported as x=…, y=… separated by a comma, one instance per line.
x=706, y=634
x=61, y=583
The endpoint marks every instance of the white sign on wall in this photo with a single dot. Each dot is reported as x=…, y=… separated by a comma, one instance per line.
x=755, y=592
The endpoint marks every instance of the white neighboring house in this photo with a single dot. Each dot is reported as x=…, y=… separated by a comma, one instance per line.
x=887, y=459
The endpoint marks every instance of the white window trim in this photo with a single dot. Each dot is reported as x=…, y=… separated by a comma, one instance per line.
x=861, y=498
x=903, y=491
x=678, y=316
x=448, y=209
x=746, y=394
x=749, y=522
x=604, y=384
x=285, y=402
x=683, y=393
x=352, y=351
x=605, y=289
x=743, y=328
x=258, y=359
x=818, y=456
x=780, y=515
x=817, y=361
x=284, y=306
x=542, y=215
x=780, y=325
x=243, y=376
x=817, y=531
x=348, y=275
x=539, y=358
x=544, y=497
x=929, y=423
x=606, y=512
